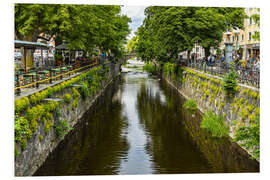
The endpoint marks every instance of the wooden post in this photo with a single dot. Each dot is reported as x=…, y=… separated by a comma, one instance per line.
x=42, y=59
x=50, y=71
x=18, y=91
x=37, y=79
x=24, y=56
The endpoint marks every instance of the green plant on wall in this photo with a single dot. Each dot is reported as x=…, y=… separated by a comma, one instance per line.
x=229, y=83
x=21, y=104
x=214, y=124
x=62, y=128
x=249, y=137
x=67, y=98
x=47, y=126
x=190, y=105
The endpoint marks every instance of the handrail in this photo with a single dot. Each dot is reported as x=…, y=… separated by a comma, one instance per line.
x=54, y=77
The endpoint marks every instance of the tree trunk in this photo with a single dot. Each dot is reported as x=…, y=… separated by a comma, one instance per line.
x=207, y=51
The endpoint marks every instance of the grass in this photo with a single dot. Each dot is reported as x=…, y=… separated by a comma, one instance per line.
x=190, y=105
x=214, y=124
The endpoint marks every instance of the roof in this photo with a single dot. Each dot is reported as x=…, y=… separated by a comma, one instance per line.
x=62, y=46
x=30, y=45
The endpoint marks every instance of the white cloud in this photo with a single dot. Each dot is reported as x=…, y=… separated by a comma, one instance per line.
x=136, y=13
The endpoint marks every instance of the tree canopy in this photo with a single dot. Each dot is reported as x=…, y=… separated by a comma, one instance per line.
x=166, y=31
x=83, y=27
x=132, y=44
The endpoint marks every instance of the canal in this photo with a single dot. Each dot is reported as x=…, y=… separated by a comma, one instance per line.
x=139, y=127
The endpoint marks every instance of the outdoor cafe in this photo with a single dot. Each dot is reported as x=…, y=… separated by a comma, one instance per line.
x=29, y=76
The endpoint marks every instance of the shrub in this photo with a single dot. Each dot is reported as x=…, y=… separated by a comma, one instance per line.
x=33, y=99
x=84, y=90
x=47, y=126
x=21, y=104
x=74, y=104
x=67, y=98
x=23, y=143
x=169, y=68
x=244, y=113
x=190, y=105
x=214, y=124
x=150, y=67
x=40, y=137
x=50, y=92
x=62, y=128
x=75, y=93
x=249, y=137
x=16, y=152
x=21, y=127
x=230, y=83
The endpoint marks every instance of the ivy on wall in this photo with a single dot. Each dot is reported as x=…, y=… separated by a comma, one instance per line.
x=29, y=111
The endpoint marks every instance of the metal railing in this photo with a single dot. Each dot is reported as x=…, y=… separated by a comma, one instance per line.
x=48, y=76
x=249, y=75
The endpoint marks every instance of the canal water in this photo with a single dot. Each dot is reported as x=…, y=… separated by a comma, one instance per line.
x=139, y=127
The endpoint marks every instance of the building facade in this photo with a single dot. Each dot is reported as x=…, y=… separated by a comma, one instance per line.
x=244, y=45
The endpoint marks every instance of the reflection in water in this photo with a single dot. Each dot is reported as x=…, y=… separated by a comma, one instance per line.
x=170, y=147
x=96, y=145
x=138, y=127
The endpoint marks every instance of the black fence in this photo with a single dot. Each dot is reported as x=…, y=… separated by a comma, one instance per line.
x=249, y=75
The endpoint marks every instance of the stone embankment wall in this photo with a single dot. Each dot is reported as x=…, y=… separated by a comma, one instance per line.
x=206, y=90
x=37, y=149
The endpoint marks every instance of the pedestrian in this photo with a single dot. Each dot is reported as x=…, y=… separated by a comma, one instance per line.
x=213, y=60
x=208, y=60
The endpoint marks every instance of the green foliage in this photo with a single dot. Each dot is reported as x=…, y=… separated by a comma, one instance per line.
x=62, y=128
x=67, y=98
x=16, y=152
x=249, y=137
x=244, y=113
x=74, y=104
x=82, y=26
x=214, y=124
x=150, y=67
x=190, y=105
x=230, y=83
x=47, y=126
x=23, y=143
x=75, y=93
x=84, y=90
x=168, y=68
x=50, y=92
x=40, y=137
x=166, y=31
x=21, y=104
x=21, y=127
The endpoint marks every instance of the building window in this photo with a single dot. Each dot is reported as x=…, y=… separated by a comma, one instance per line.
x=249, y=36
x=236, y=37
x=242, y=37
x=250, y=20
x=232, y=38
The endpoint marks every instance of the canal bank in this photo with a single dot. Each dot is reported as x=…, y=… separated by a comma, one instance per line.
x=138, y=127
x=238, y=110
x=46, y=121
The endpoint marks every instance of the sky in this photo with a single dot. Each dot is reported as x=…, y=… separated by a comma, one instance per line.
x=136, y=13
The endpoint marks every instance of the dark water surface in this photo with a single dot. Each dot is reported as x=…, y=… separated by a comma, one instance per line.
x=139, y=127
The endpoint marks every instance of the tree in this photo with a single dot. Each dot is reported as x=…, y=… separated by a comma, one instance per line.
x=166, y=31
x=85, y=27
x=132, y=44
x=256, y=18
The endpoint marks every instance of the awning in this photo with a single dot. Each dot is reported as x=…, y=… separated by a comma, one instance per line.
x=30, y=45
